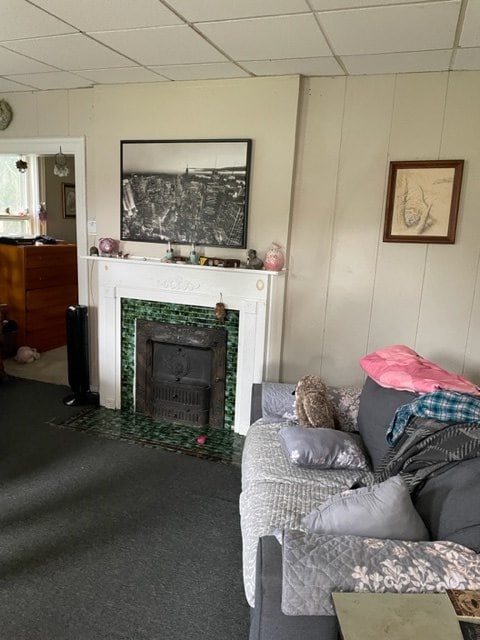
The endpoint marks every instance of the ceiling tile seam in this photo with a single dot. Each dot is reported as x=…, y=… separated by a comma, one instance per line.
x=91, y=35
x=22, y=84
x=24, y=55
x=192, y=26
x=267, y=15
x=136, y=63
x=336, y=57
x=460, y=22
x=379, y=5
x=15, y=78
x=52, y=15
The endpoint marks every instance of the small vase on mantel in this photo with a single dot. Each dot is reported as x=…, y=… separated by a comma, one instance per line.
x=274, y=259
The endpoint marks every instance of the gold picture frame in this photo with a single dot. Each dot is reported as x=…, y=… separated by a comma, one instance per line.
x=423, y=198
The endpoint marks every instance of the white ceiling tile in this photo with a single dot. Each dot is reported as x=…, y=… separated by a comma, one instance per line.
x=11, y=62
x=201, y=71
x=409, y=27
x=70, y=52
x=195, y=11
x=467, y=59
x=120, y=76
x=106, y=15
x=296, y=36
x=326, y=66
x=398, y=62
x=161, y=45
x=329, y=5
x=163, y=40
x=470, y=36
x=7, y=86
x=54, y=80
x=20, y=19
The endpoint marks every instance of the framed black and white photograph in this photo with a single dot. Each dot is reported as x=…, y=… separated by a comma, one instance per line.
x=185, y=191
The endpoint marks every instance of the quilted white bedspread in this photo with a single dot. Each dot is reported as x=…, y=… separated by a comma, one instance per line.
x=277, y=495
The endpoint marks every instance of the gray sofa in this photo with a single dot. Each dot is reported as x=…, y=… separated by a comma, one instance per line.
x=277, y=495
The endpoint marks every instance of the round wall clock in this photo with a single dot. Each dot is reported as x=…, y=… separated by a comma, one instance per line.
x=6, y=114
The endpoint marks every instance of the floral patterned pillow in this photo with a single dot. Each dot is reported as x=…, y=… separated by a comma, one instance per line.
x=346, y=401
x=322, y=448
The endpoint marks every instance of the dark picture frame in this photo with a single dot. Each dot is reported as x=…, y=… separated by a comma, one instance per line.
x=423, y=198
x=69, y=207
x=185, y=191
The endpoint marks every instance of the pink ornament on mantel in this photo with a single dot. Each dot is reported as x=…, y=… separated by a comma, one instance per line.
x=274, y=259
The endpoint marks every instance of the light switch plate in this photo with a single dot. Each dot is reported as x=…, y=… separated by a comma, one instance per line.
x=92, y=227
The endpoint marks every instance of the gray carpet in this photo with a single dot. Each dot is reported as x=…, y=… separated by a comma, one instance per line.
x=103, y=539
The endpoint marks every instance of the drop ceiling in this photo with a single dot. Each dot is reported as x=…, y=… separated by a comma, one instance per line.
x=64, y=44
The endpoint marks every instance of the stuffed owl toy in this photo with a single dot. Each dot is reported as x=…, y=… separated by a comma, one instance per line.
x=26, y=355
x=312, y=407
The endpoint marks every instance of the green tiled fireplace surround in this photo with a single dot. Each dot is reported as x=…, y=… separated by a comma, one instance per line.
x=133, y=309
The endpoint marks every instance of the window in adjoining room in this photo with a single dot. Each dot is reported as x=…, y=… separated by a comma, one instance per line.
x=18, y=196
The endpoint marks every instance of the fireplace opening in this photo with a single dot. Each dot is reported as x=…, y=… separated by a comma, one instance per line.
x=180, y=373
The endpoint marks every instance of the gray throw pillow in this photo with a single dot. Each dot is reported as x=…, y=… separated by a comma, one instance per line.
x=322, y=448
x=384, y=511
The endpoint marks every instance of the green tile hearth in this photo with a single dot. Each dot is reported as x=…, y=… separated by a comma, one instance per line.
x=222, y=445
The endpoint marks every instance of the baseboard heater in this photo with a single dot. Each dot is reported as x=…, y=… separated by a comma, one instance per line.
x=76, y=318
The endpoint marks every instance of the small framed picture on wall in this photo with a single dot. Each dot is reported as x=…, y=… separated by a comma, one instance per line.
x=422, y=201
x=69, y=207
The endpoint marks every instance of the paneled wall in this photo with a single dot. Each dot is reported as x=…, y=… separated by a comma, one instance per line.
x=348, y=291
x=321, y=154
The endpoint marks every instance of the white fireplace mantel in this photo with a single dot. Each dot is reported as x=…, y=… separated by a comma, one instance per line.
x=257, y=295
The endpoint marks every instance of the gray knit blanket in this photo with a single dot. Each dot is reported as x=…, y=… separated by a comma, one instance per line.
x=428, y=447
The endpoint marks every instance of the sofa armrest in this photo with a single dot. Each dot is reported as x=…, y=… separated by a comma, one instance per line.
x=316, y=565
x=256, y=404
x=268, y=622
x=271, y=400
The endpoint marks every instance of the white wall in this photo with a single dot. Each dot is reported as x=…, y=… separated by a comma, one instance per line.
x=327, y=143
x=262, y=109
x=348, y=291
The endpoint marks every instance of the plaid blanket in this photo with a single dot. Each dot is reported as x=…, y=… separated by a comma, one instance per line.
x=427, y=446
x=444, y=406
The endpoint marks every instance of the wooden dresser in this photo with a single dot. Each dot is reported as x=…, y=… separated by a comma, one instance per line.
x=38, y=283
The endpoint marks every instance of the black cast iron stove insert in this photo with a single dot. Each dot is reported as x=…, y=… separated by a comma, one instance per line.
x=180, y=373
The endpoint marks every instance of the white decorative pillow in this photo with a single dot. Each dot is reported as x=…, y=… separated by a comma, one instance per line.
x=384, y=510
x=322, y=448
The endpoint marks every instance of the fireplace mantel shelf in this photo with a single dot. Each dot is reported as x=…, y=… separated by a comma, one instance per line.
x=257, y=294
x=160, y=262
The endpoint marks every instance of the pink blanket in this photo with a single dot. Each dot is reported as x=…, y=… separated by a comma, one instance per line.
x=399, y=367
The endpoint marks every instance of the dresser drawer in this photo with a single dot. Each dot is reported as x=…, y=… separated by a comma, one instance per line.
x=58, y=255
x=51, y=297
x=50, y=276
